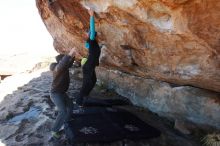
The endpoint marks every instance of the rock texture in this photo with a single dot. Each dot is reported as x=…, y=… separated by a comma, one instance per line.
x=179, y=103
x=168, y=40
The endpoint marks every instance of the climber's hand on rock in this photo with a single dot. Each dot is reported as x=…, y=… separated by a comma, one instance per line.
x=91, y=12
x=72, y=52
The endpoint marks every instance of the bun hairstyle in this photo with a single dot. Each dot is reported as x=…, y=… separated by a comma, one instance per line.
x=59, y=57
x=52, y=66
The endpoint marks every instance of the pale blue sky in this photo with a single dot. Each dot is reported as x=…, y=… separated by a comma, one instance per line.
x=21, y=28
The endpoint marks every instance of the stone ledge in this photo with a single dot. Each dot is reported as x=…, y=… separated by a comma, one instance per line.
x=186, y=103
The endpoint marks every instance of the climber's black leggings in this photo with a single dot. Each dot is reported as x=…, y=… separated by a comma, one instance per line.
x=89, y=80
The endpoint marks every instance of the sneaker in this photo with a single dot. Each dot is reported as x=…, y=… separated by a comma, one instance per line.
x=53, y=140
x=55, y=137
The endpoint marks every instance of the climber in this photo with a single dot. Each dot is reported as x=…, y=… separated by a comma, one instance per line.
x=60, y=85
x=89, y=75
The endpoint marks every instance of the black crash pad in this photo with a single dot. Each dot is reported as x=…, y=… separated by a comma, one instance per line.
x=99, y=124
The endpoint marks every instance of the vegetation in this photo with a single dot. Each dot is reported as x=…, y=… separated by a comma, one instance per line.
x=211, y=140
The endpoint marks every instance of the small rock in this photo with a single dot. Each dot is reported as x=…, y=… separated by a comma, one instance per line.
x=182, y=127
x=104, y=91
x=7, y=130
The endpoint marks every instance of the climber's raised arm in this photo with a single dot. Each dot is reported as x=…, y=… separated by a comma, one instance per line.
x=92, y=25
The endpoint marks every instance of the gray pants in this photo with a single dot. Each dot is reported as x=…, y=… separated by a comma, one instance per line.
x=65, y=106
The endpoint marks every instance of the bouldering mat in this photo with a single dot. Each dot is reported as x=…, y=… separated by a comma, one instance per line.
x=106, y=124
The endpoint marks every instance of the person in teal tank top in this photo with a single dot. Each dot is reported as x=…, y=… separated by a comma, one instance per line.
x=89, y=74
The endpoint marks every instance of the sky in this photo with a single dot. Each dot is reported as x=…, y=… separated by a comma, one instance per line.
x=21, y=28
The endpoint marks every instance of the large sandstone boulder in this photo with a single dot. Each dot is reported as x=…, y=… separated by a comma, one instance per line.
x=178, y=103
x=175, y=41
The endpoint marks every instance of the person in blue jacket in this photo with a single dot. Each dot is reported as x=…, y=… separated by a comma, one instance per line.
x=89, y=75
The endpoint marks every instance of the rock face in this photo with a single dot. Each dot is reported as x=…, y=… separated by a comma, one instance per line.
x=179, y=103
x=168, y=40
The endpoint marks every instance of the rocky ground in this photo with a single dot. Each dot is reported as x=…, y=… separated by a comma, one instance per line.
x=27, y=113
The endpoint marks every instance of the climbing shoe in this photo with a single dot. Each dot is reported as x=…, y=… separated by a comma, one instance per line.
x=55, y=137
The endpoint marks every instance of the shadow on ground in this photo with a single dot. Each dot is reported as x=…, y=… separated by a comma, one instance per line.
x=26, y=115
